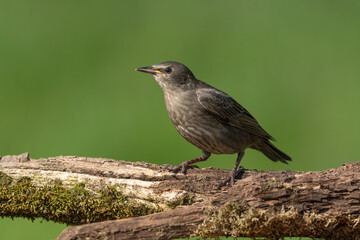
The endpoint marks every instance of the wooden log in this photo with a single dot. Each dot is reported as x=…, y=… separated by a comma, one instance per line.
x=270, y=204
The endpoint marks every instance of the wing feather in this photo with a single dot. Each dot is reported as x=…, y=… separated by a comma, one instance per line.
x=227, y=110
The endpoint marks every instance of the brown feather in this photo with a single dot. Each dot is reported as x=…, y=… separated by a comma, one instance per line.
x=228, y=111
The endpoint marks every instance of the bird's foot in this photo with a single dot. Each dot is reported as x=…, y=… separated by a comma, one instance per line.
x=231, y=178
x=183, y=167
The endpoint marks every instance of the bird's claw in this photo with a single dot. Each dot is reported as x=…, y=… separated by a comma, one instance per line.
x=230, y=179
x=182, y=167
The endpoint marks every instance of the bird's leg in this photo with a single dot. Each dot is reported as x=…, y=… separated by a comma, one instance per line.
x=234, y=172
x=183, y=166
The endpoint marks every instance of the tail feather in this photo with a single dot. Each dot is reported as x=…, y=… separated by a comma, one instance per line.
x=269, y=150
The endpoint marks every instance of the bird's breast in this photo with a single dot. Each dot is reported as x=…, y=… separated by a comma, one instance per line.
x=182, y=107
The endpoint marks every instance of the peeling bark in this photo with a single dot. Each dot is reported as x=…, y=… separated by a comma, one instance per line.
x=327, y=200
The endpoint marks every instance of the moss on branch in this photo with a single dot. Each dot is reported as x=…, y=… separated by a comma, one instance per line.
x=235, y=220
x=73, y=206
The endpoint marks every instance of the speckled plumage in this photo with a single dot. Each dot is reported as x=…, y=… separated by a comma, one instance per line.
x=209, y=118
x=201, y=128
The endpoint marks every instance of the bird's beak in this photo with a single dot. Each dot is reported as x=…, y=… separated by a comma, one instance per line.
x=150, y=70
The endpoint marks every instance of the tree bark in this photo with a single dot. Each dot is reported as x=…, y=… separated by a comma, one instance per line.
x=270, y=204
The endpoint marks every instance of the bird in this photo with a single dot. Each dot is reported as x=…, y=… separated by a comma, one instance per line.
x=209, y=118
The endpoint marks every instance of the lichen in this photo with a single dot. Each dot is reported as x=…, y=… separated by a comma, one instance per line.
x=234, y=220
x=75, y=205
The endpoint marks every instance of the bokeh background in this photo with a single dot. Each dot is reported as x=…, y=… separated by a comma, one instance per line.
x=68, y=85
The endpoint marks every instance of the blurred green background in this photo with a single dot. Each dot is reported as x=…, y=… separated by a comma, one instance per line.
x=68, y=85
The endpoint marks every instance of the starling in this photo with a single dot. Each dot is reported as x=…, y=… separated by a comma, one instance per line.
x=209, y=118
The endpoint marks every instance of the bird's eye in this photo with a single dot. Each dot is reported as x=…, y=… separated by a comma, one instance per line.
x=168, y=70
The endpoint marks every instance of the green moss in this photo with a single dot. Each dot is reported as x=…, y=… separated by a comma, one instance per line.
x=272, y=184
x=5, y=180
x=236, y=221
x=187, y=199
x=220, y=221
x=73, y=206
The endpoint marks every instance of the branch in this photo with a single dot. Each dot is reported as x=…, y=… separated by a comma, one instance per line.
x=142, y=197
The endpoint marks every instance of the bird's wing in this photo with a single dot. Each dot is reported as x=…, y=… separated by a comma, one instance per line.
x=227, y=110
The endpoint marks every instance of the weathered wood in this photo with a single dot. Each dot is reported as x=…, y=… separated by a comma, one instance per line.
x=137, y=180
x=271, y=204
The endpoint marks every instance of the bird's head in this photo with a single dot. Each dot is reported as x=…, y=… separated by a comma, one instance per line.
x=170, y=75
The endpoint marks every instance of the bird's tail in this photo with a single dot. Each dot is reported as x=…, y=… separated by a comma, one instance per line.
x=269, y=150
